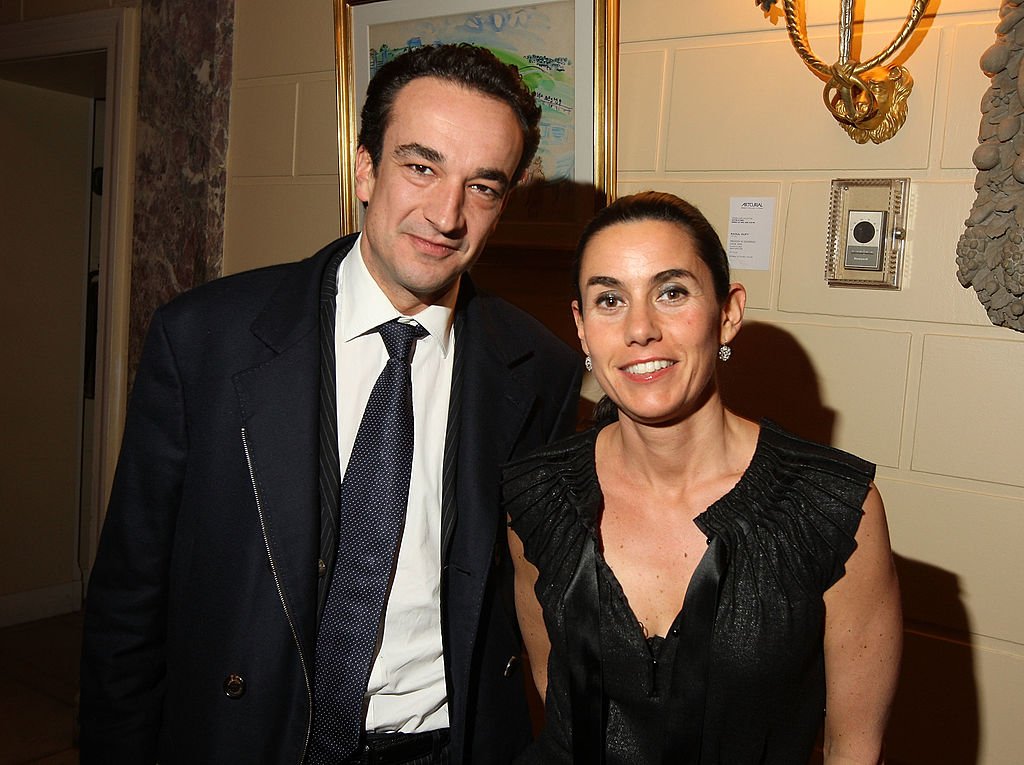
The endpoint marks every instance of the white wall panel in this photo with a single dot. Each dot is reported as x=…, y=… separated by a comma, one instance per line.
x=970, y=417
x=274, y=38
x=957, y=574
x=958, y=703
x=640, y=116
x=316, y=145
x=263, y=139
x=280, y=222
x=966, y=84
x=755, y=106
x=868, y=405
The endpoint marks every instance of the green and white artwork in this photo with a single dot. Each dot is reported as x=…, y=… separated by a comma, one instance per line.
x=537, y=39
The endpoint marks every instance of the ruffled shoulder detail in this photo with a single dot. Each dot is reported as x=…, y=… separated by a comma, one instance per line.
x=552, y=499
x=800, y=504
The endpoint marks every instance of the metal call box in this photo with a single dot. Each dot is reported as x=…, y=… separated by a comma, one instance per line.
x=866, y=232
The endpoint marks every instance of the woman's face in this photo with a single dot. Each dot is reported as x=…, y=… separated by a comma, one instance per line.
x=650, y=320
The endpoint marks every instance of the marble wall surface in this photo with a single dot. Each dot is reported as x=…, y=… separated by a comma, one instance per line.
x=180, y=175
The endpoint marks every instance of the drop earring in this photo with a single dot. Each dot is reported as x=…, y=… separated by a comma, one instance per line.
x=724, y=352
x=589, y=364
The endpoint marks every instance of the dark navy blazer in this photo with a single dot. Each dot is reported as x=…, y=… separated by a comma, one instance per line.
x=201, y=609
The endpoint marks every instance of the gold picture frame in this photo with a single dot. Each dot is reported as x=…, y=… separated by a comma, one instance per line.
x=549, y=212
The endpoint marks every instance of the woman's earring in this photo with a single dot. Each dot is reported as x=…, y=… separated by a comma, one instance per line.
x=724, y=352
x=589, y=364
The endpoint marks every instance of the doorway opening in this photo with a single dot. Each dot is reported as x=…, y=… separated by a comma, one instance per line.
x=68, y=87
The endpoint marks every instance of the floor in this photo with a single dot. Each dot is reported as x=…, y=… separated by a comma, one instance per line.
x=38, y=686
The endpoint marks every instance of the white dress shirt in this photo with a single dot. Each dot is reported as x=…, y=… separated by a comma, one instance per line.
x=407, y=690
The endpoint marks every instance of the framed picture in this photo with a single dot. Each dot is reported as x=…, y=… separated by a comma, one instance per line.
x=564, y=49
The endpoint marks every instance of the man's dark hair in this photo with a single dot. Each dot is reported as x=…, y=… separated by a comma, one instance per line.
x=468, y=66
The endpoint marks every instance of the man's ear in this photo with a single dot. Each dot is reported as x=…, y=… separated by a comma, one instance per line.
x=365, y=175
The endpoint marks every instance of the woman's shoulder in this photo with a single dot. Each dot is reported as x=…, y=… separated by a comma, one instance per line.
x=569, y=461
x=797, y=494
x=557, y=451
x=790, y=450
x=789, y=471
x=552, y=498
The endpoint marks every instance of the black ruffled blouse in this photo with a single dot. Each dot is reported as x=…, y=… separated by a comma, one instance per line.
x=740, y=677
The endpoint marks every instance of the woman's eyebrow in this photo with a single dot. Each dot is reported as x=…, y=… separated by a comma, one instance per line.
x=672, y=273
x=603, y=281
x=658, y=278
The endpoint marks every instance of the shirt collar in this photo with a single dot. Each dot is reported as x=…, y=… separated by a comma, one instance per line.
x=363, y=306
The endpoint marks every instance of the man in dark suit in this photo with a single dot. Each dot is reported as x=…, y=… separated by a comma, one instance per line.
x=214, y=584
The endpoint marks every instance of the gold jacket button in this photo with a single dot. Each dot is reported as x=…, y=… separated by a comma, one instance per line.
x=234, y=686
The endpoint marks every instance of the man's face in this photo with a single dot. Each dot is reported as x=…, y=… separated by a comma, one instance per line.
x=444, y=178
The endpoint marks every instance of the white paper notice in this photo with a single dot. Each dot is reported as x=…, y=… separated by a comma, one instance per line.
x=751, y=224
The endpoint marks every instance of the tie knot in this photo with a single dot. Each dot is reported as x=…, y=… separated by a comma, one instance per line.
x=399, y=338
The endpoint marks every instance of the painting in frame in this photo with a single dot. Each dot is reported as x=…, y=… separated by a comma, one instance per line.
x=565, y=51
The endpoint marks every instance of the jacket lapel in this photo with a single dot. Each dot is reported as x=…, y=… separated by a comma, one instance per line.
x=496, y=404
x=279, y=403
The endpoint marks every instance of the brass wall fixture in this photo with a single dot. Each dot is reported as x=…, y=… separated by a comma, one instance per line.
x=869, y=99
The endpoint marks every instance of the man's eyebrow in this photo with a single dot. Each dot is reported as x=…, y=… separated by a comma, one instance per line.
x=493, y=174
x=419, y=150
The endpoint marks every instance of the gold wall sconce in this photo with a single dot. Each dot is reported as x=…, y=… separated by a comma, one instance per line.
x=869, y=99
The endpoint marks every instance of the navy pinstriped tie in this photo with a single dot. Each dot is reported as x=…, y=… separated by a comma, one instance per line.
x=373, y=500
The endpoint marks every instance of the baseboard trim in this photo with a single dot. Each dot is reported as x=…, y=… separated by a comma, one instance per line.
x=21, y=607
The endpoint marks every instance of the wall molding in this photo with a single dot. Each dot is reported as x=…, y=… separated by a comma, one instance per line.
x=21, y=607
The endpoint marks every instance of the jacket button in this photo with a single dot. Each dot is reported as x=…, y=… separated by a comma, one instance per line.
x=321, y=567
x=234, y=686
x=513, y=664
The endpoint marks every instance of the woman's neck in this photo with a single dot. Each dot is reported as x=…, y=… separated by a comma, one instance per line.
x=707, y=445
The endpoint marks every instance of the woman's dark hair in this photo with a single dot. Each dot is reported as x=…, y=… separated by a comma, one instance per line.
x=468, y=66
x=656, y=206
x=659, y=206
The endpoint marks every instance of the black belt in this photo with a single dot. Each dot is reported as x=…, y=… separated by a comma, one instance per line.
x=397, y=748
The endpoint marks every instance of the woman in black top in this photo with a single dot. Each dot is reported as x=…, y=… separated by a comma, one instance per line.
x=694, y=587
